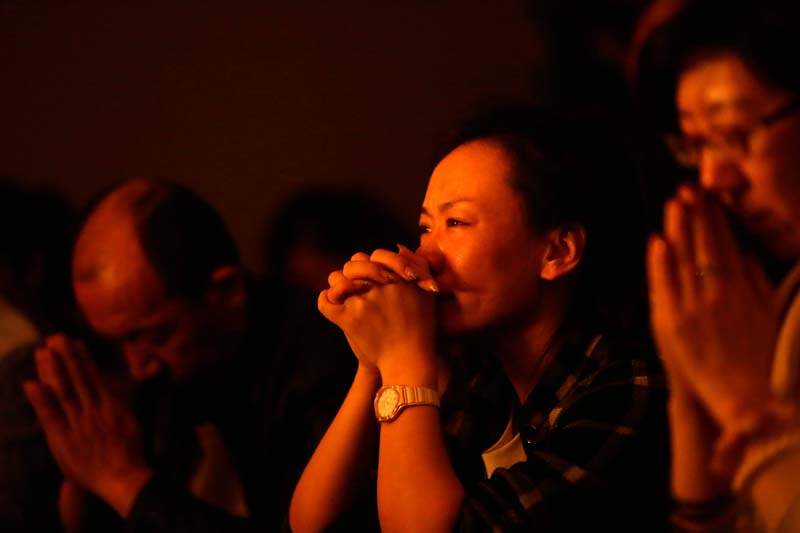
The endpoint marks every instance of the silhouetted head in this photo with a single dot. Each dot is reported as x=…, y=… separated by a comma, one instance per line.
x=156, y=271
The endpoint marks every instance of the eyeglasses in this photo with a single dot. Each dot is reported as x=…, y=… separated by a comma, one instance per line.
x=731, y=143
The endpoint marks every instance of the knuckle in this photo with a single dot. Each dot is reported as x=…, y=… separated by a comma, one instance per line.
x=381, y=255
x=334, y=276
x=352, y=269
x=322, y=300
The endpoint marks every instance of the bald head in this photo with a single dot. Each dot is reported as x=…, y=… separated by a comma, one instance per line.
x=156, y=271
x=152, y=227
x=108, y=248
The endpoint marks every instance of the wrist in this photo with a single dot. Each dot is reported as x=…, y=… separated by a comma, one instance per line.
x=368, y=372
x=718, y=513
x=762, y=454
x=760, y=422
x=418, y=370
x=121, y=491
x=391, y=400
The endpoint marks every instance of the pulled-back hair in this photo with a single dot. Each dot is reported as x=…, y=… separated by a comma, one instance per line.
x=765, y=34
x=570, y=170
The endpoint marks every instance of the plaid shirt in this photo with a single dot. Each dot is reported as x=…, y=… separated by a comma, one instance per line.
x=594, y=432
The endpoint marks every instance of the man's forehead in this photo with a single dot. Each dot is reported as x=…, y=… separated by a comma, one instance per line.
x=116, y=305
x=113, y=280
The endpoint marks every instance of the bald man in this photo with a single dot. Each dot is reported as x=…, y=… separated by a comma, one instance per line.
x=157, y=275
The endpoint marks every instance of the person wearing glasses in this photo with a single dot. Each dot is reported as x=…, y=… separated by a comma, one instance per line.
x=720, y=77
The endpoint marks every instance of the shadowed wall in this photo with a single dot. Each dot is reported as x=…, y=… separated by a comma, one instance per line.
x=247, y=101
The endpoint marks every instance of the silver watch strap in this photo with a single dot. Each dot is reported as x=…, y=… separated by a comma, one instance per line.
x=420, y=395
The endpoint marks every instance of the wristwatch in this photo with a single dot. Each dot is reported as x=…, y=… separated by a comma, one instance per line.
x=390, y=400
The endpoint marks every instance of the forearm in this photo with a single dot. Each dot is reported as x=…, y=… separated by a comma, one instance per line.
x=417, y=487
x=775, y=488
x=340, y=462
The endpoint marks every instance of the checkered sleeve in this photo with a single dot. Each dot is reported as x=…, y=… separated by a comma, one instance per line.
x=598, y=462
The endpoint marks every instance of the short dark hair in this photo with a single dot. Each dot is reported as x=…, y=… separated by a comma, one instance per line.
x=765, y=34
x=334, y=220
x=36, y=227
x=572, y=170
x=181, y=235
x=33, y=220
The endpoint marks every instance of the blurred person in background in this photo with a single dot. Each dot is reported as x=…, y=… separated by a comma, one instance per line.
x=719, y=80
x=196, y=446
x=35, y=300
x=35, y=233
x=312, y=233
x=317, y=228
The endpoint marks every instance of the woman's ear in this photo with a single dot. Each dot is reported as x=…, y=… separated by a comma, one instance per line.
x=227, y=287
x=564, y=250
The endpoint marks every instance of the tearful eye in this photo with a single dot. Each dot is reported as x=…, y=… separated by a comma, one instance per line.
x=451, y=222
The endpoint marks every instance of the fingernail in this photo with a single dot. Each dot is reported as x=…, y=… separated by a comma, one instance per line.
x=432, y=286
x=410, y=274
x=389, y=277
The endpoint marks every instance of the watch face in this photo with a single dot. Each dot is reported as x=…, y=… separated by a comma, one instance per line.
x=387, y=402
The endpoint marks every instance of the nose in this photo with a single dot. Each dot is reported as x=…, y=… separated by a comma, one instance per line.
x=142, y=364
x=431, y=251
x=722, y=176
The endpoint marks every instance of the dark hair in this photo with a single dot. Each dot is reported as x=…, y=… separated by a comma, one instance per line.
x=36, y=225
x=765, y=34
x=181, y=235
x=335, y=220
x=32, y=220
x=570, y=170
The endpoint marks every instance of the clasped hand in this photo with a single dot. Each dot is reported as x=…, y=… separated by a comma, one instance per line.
x=712, y=309
x=93, y=435
x=384, y=304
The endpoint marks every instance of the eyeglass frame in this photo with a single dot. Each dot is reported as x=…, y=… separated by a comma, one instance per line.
x=735, y=143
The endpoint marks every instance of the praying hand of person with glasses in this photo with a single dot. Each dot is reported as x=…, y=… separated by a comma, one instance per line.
x=729, y=338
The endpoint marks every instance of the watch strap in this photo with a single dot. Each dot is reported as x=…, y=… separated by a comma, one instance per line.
x=420, y=396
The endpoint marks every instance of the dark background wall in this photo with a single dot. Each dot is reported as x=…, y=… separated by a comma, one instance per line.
x=248, y=101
